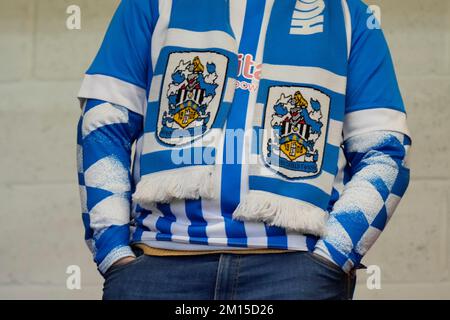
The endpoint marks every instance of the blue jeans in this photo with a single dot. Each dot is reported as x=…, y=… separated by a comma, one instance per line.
x=284, y=276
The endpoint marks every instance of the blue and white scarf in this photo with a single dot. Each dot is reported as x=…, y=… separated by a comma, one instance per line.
x=298, y=115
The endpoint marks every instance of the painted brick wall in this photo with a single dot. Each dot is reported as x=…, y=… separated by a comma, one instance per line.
x=41, y=66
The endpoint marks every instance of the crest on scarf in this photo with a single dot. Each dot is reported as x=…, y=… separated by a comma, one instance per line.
x=296, y=121
x=191, y=95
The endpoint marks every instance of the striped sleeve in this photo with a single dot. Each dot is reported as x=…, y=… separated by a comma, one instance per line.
x=373, y=98
x=105, y=136
x=120, y=71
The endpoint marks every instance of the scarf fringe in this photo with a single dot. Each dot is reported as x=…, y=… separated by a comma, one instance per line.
x=185, y=183
x=280, y=211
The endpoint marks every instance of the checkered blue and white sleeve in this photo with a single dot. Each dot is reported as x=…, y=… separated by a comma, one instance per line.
x=379, y=178
x=113, y=93
x=106, y=133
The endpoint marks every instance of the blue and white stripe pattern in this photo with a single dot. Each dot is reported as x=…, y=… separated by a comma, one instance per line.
x=373, y=104
x=368, y=194
x=207, y=224
x=188, y=36
x=296, y=205
x=105, y=135
x=299, y=203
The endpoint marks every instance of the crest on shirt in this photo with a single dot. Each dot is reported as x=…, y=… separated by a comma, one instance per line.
x=295, y=124
x=191, y=94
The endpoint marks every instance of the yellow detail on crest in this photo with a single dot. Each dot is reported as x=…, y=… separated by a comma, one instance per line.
x=198, y=66
x=186, y=116
x=299, y=101
x=293, y=149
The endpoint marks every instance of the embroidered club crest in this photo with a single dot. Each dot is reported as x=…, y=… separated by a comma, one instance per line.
x=191, y=95
x=296, y=121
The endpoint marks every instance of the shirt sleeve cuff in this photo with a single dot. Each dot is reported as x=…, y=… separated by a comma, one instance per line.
x=321, y=250
x=375, y=119
x=113, y=90
x=115, y=255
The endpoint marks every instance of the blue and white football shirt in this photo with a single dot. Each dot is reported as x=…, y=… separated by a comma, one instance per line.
x=122, y=73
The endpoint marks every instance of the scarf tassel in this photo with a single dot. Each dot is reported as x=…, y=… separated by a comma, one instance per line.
x=185, y=183
x=280, y=211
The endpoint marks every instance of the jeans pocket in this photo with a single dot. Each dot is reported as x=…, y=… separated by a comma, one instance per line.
x=120, y=267
x=324, y=262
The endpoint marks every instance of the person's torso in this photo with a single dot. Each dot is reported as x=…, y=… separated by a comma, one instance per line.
x=208, y=224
